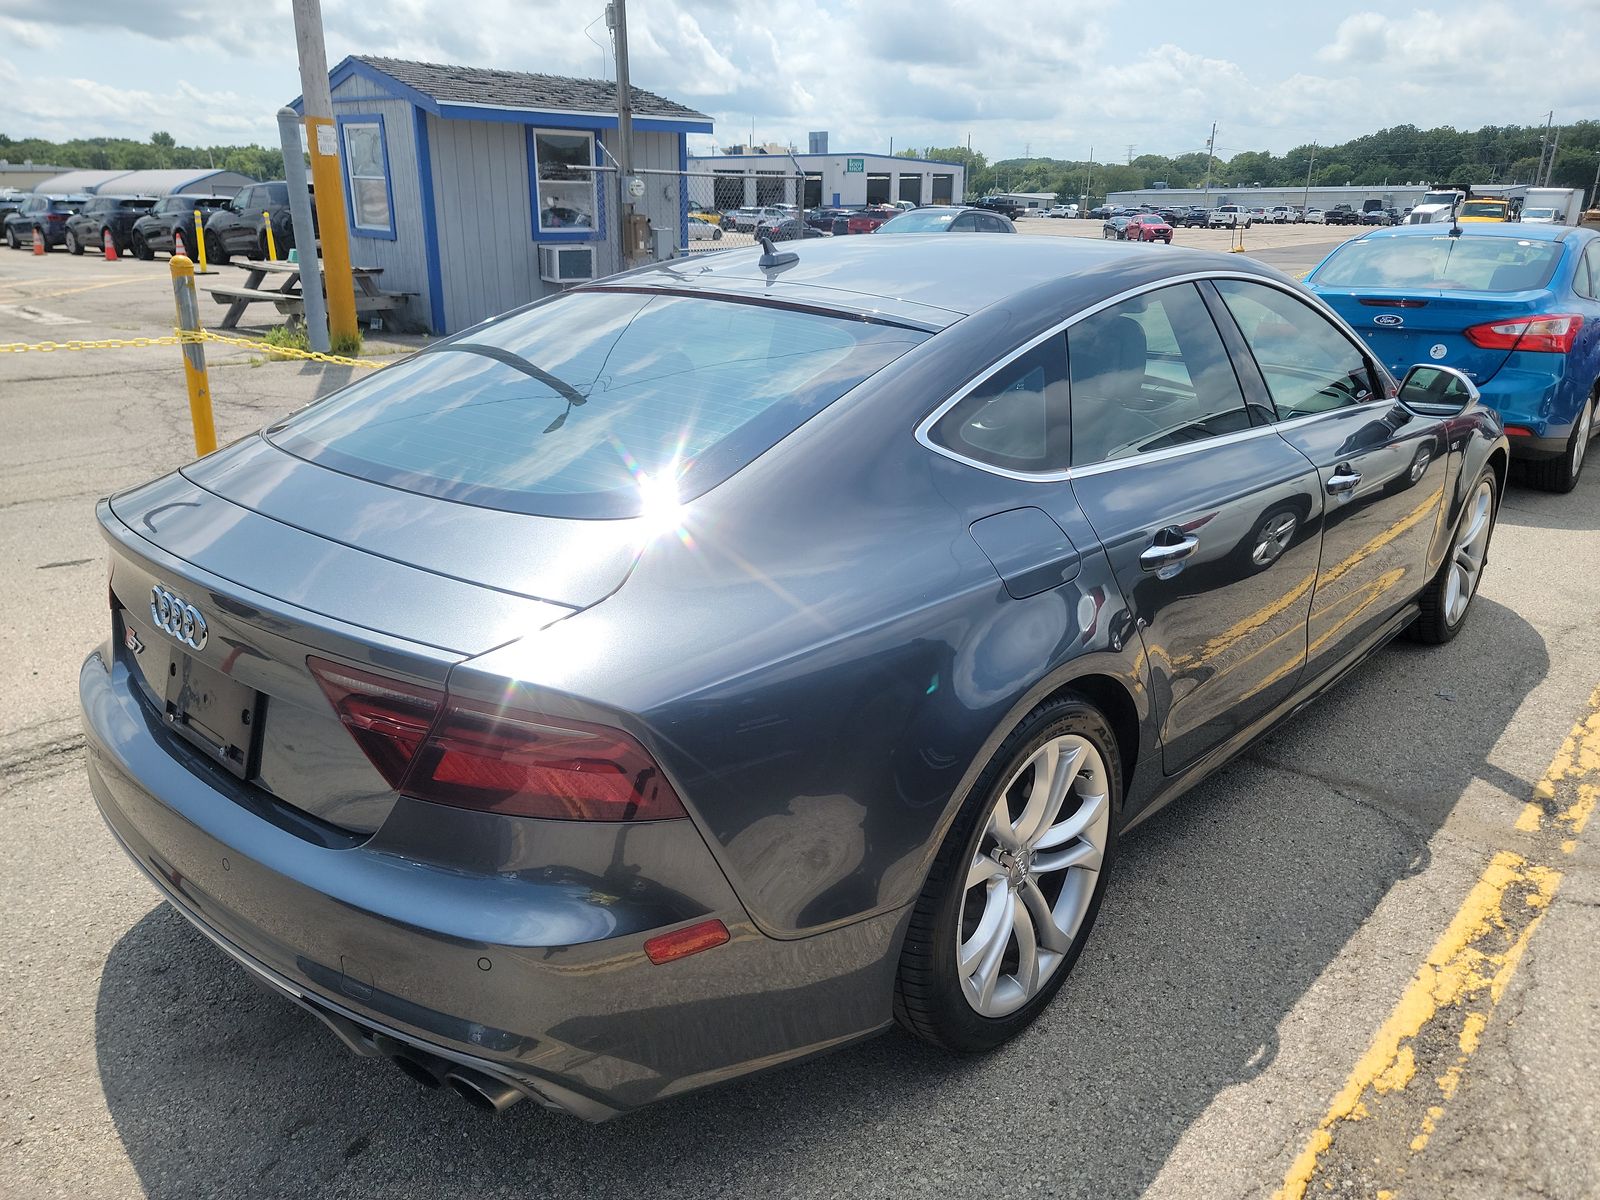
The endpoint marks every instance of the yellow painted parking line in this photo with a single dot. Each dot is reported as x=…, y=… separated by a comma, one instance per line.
x=1436, y=1026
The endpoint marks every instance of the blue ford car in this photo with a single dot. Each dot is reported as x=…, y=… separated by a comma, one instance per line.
x=1516, y=307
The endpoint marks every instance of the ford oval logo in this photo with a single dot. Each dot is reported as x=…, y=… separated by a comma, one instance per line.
x=1389, y=320
x=172, y=614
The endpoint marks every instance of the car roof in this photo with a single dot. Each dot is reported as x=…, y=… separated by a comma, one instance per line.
x=932, y=279
x=1532, y=233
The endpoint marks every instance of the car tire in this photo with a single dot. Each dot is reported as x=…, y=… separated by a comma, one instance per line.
x=141, y=248
x=12, y=240
x=74, y=246
x=215, y=251
x=1448, y=597
x=1560, y=475
x=934, y=999
x=259, y=254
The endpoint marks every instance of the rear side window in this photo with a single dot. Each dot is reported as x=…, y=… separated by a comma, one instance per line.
x=1015, y=419
x=1148, y=374
x=595, y=404
x=1442, y=264
x=1587, y=281
x=1309, y=365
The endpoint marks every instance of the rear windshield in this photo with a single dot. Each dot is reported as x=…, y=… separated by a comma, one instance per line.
x=927, y=221
x=140, y=205
x=595, y=403
x=1442, y=264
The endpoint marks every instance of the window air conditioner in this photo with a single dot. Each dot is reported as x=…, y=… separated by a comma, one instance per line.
x=566, y=264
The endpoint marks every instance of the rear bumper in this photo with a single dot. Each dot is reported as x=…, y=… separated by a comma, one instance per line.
x=538, y=981
x=1531, y=400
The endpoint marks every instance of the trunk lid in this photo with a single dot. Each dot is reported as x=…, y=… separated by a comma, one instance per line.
x=232, y=573
x=1406, y=327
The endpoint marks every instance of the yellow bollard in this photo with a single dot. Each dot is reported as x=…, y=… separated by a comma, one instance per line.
x=200, y=237
x=194, y=357
x=272, y=242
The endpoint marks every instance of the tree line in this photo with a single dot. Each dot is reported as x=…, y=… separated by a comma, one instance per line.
x=125, y=154
x=1399, y=155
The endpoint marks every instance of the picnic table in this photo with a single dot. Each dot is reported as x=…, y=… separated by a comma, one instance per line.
x=283, y=291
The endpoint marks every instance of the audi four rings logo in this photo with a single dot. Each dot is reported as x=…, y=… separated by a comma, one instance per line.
x=182, y=620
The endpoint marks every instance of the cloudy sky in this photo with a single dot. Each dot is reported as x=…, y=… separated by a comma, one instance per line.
x=1053, y=77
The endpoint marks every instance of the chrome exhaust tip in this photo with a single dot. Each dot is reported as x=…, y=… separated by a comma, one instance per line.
x=482, y=1091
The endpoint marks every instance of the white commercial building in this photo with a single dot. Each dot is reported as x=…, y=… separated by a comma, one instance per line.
x=845, y=180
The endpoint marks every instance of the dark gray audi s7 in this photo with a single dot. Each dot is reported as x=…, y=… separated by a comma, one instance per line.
x=711, y=665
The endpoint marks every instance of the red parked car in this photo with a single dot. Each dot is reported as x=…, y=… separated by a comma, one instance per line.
x=867, y=220
x=1148, y=227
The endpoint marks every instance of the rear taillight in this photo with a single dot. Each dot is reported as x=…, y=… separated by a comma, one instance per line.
x=1554, y=333
x=56, y=216
x=478, y=756
x=388, y=718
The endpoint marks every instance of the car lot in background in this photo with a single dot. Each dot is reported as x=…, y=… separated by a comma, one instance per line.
x=703, y=231
x=1147, y=227
x=867, y=220
x=948, y=219
x=87, y=228
x=1515, y=307
x=238, y=226
x=169, y=227
x=45, y=215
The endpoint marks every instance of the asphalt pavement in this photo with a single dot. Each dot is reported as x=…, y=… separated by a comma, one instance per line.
x=1257, y=941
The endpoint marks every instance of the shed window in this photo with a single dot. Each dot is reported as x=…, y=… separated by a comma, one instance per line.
x=366, y=163
x=566, y=187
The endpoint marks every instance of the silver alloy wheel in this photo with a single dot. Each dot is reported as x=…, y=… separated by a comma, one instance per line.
x=1585, y=432
x=1032, y=877
x=1466, y=562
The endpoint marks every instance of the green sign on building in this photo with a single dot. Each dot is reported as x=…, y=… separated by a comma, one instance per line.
x=855, y=166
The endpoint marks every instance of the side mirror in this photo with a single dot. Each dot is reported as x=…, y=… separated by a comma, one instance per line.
x=1437, y=391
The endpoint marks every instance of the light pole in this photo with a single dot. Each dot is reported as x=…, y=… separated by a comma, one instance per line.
x=322, y=141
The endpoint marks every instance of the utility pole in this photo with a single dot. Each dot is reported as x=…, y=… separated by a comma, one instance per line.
x=1544, y=144
x=633, y=241
x=1211, y=155
x=1131, y=149
x=1305, y=201
x=1550, y=167
x=1594, y=192
x=1088, y=177
x=322, y=140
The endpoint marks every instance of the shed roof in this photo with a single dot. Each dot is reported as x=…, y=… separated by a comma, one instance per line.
x=78, y=181
x=175, y=180
x=484, y=86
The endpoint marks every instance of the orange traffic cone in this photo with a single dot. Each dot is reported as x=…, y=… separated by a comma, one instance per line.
x=111, y=247
x=177, y=243
x=38, y=241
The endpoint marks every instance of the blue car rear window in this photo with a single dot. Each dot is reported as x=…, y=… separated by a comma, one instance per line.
x=593, y=404
x=1442, y=264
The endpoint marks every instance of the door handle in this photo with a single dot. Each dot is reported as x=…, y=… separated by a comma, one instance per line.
x=1171, y=546
x=1343, y=481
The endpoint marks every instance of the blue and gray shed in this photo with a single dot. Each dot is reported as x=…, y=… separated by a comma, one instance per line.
x=457, y=177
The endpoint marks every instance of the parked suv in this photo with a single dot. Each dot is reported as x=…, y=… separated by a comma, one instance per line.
x=238, y=227
x=1285, y=214
x=745, y=220
x=1229, y=216
x=1341, y=214
x=169, y=225
x=47, y=214
x=87, y=228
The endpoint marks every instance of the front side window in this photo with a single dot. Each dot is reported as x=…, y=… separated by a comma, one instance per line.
x=1148, y=374
x=564, y=186
x=1308, y=364
x=594, y=404
x=367, y=172
x=1016, y=419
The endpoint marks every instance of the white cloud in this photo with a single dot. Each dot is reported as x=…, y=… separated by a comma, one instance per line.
x=1055, y=75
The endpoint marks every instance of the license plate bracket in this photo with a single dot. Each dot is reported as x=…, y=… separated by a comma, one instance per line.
x=218, y=714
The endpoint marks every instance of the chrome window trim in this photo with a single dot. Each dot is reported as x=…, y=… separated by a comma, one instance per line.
x=924, y=430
